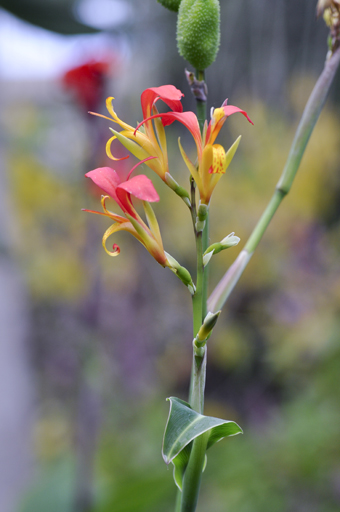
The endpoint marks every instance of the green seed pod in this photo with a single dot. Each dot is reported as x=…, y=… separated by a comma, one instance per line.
x=172, y=5
x=198, y=31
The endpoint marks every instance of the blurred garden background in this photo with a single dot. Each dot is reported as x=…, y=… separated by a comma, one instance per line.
x=91, y=346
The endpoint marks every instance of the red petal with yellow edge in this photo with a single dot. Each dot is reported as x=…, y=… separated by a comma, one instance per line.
x=167, y=93
x=230, y=109
x=139, y=186
x=105, y=178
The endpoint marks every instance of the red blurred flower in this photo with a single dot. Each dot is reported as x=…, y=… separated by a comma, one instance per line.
x=88, y=83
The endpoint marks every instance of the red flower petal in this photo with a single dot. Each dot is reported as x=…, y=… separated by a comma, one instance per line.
x=189, y=120
x=139, y=186
x=139, y=163
x=105, y=178
x=230, y=109
x=167, y=93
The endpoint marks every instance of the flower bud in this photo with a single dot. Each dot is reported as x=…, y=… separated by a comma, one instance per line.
x=172, y=5
x=202, y=214
x=180, y=191
x=206, y=329
x=198, y=31
x=228, y=241
x=330, y=9
x=181, y=272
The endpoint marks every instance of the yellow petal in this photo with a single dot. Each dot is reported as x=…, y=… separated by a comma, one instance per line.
x=161, y=134
x=114, y=115
x=152, y=221
x=218, y=114
x=190, y=165
x=218, y=159
x=126, y=226
x=131, y=146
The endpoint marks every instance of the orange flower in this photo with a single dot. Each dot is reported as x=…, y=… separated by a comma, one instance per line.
x=122, y=192
x=150, y=141
x=212, y=158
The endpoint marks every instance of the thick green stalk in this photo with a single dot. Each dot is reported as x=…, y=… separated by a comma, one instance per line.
x=198, y=296
x=193, y=472
x=178, y=501
x=205, y=245
x=307, y=123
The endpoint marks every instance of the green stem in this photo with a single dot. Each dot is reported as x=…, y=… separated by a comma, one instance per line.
x=197, y=383
x=198, y=296
x=264, y=221
x=178, y=501
x=307, y=123
x=205, y=245
x=193, y=472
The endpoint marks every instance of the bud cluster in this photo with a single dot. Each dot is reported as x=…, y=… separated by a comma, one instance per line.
x=198, y=30
x=330, y=9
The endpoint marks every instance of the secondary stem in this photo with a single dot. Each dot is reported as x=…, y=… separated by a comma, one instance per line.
x=307, y=123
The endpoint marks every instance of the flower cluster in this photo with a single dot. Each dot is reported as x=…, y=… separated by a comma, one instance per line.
x=122, y=192
x=147, y=142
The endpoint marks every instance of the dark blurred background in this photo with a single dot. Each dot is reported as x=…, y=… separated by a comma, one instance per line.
x=91, y=346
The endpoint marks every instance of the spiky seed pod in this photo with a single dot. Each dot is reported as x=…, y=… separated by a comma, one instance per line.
x=172, y=5
x=198, y=31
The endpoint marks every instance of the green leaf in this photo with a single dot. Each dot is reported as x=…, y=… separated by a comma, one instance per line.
x=183, y=426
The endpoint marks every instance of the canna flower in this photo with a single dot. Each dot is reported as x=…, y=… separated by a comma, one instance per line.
x=88, y=82
x=122, y=192
x=212, y=159
x=150, y=142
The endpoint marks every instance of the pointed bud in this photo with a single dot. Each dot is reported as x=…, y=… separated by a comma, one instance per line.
x=207, y=257
x=202, y=214
x=198, y=31
x=206, y=329
x=198, y=87
x=228, y=241
x=181, y=272
x=180, y=191
x=330, y=9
